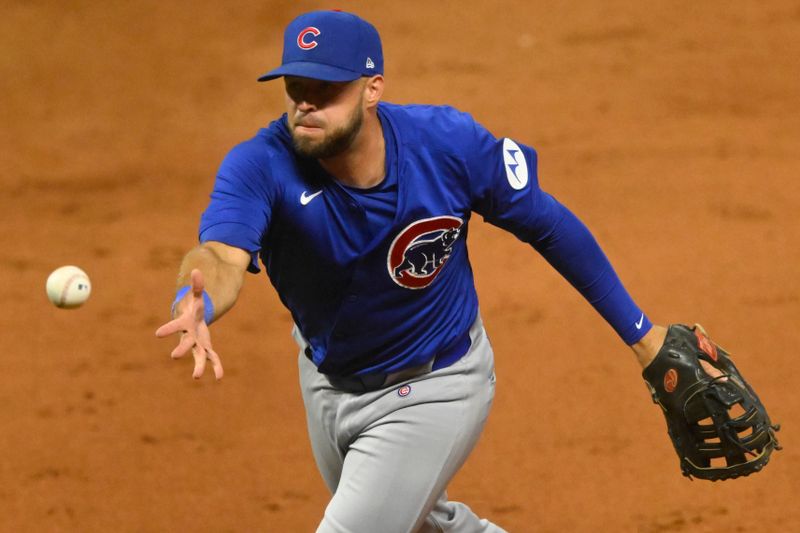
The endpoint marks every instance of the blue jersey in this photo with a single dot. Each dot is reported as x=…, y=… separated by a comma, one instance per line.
x=380, y=280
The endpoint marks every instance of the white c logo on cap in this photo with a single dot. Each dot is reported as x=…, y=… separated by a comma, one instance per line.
x=301, y=38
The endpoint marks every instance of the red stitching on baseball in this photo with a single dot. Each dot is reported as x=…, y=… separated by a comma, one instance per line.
x=66, y=288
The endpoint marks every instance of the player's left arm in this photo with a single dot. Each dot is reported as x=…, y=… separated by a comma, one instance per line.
x=510, y=198
x=505, y=190
x=648, y=346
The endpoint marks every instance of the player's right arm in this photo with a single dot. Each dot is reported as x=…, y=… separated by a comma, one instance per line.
x=223, y=268
x=212, y=273
x=231, y=232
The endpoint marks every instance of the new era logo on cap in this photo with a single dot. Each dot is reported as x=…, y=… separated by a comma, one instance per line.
x=330, y=46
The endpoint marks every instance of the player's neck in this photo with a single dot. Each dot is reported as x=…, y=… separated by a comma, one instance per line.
x=363, y=164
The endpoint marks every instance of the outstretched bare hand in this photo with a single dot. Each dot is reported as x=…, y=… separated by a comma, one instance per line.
x=195, y=336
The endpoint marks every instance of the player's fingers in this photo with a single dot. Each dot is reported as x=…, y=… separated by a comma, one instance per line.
x=173, y=326
x=197, y=283
x=712, y=371
x=199, y=354
x=184, y=345
x=216, y=364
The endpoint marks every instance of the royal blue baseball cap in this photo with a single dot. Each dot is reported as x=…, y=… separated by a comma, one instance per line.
x=329, y=46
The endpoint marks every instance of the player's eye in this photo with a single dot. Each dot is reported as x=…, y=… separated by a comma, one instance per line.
x=293, y=91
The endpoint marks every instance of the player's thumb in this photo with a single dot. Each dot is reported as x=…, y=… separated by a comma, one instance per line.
x=197, y=283
x=713, y=371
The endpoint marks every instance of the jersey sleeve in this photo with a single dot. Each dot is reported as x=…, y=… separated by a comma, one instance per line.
x=505, y=190
x=239, y=211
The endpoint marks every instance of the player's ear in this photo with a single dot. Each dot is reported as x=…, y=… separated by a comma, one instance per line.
x=373, y=90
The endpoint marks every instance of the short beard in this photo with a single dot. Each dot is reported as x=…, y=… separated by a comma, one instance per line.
x=334, y=144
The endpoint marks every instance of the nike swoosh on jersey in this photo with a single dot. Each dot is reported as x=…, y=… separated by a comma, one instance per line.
x=305, y=198
x=640, y=322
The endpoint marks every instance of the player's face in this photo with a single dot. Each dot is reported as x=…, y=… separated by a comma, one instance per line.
x=324, y=117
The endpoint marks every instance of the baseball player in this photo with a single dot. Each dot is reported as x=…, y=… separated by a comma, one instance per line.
x=359, y=211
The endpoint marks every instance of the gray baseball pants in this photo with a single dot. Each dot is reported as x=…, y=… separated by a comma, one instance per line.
x=388, y=455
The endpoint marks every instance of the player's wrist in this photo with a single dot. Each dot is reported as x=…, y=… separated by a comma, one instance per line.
x=648, y=346
x=208, y=305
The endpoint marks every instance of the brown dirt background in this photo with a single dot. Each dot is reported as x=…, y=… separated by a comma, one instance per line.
x=671, y=128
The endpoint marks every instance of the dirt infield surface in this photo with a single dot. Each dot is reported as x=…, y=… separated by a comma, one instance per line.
x=672, y=129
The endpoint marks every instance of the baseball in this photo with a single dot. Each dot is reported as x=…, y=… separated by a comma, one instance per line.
x=68, y=287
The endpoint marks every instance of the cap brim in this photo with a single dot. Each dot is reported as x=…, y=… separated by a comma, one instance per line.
x=307, y=69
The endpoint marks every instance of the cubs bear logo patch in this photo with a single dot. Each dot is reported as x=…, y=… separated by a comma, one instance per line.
x=419, y=252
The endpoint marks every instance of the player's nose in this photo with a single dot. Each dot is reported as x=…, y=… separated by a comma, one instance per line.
x=304, y=106
x=300, y=97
